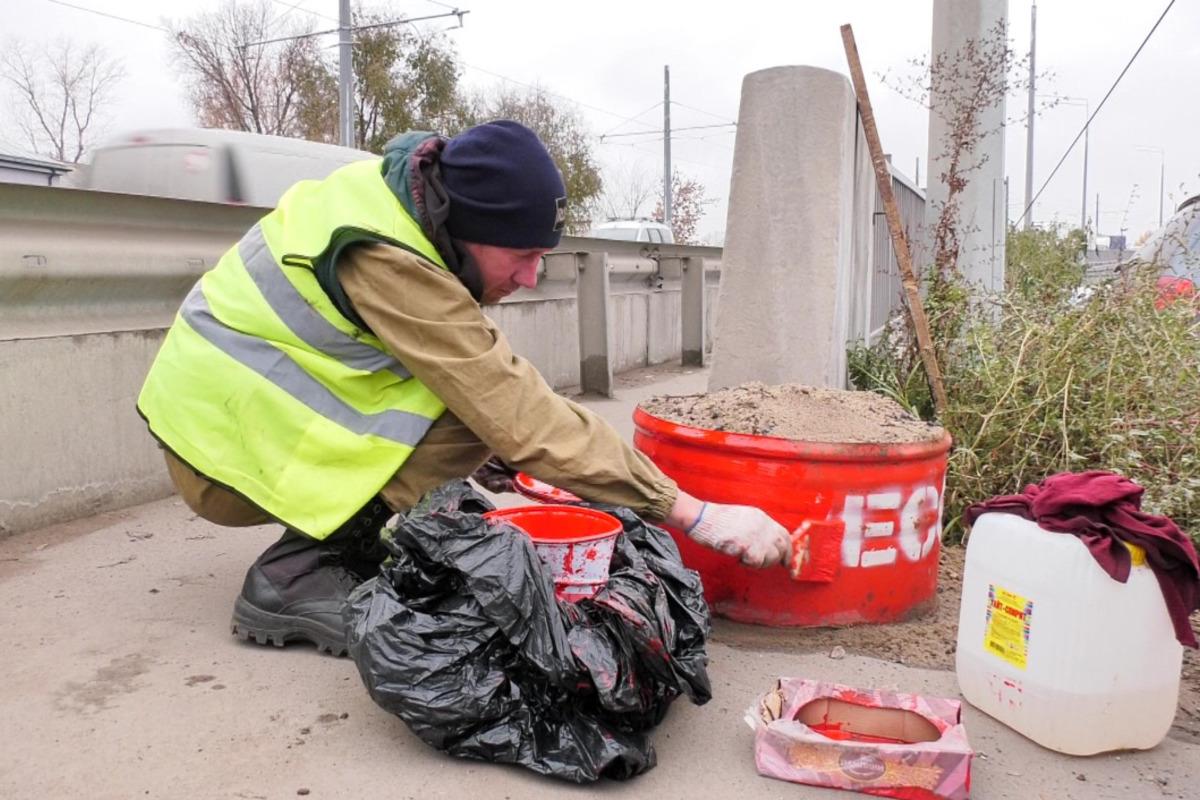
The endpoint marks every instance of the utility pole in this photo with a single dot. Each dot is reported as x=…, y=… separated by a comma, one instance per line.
x=1162, y=177
x=667, y=146
x=1087, y=129
x=1083, y=213
x=917, y=177
x=345, y=74
x=1097, y=213
x=1029, y=124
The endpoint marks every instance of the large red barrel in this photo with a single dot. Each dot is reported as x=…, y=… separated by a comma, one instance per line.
x=868, y=516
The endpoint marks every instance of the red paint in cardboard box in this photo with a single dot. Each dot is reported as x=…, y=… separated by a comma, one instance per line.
x=882, y=743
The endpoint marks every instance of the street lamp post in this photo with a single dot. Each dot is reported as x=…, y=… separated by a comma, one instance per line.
x=1087, y=116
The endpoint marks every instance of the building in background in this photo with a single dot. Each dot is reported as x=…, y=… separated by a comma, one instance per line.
x=32, y=170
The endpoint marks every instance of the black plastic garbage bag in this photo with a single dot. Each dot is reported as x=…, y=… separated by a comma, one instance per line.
x=461, y=636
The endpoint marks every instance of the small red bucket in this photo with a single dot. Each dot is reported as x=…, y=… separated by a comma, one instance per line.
x=576, y=543
x=541, y=491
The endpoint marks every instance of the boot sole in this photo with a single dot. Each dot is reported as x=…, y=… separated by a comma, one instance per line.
x=251, y=623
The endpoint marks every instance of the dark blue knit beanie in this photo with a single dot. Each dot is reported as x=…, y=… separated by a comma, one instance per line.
x=504, y=188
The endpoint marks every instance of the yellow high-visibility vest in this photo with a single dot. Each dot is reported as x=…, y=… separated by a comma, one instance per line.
x=265, y=388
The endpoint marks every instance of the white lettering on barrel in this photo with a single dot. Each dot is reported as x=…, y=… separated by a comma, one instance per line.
x=921, y=511
x=918, y=518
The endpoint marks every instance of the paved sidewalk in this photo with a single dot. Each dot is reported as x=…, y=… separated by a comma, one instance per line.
x=122, y=681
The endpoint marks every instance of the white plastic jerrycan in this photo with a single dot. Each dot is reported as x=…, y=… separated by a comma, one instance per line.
x=1056, y=649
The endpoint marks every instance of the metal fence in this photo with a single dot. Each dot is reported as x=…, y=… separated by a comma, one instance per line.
x=887, y=291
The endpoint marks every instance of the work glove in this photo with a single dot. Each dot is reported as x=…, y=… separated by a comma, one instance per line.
x=742, y=531
x=495, y=476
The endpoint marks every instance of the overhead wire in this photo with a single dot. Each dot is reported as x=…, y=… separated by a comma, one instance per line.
x=700, y=110
x=635, y=116
x=299, y=6
x=1108, y=94
x=110, y=16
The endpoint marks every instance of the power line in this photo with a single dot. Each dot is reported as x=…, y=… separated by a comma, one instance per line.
x=299, y=6
x=543, y=89
x=673, y=130
x=701, y=110
x=635, y=116
x=1079, y=135
x=636, y=146
x=405, y=21
x=110, y=16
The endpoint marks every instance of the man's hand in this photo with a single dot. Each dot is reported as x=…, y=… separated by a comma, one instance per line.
x=495, y=476
x=742, y=531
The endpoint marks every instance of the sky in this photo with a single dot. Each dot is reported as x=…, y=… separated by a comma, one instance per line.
x=607, y=60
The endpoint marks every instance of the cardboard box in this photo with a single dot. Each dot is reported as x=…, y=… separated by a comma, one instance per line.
x=878, y=742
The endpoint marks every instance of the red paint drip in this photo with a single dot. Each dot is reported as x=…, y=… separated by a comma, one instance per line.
x=835, y=731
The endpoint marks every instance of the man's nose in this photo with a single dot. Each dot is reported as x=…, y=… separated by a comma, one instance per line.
x=526, y=276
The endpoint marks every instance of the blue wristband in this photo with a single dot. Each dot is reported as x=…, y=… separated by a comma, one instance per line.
x=699, y=517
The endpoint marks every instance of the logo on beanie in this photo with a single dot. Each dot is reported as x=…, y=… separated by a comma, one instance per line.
x=560, y=213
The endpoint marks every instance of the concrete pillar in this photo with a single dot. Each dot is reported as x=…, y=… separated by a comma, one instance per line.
x=791, y=264
x=981, y=221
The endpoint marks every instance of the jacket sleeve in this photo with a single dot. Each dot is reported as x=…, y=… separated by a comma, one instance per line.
x=429, y=321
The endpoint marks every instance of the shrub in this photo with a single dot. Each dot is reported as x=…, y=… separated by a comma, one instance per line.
x=1044, y=379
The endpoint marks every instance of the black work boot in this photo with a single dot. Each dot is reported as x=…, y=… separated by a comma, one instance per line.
x=296, y=589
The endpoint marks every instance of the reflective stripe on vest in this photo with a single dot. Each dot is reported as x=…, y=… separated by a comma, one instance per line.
x=301, y=318
x=273, y=364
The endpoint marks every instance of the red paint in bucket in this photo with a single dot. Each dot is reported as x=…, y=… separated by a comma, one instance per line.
x=541, y=491
x=868, y=515
x=576, y=543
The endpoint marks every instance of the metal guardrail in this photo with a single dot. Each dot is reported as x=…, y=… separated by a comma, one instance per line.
x=74, y=262
x=77, y=262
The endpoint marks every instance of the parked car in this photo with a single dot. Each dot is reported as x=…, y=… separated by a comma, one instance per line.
x=1175, y=251
x=212, y=165
x=634, y=230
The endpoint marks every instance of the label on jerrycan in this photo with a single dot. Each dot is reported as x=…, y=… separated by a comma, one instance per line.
x=883, y=526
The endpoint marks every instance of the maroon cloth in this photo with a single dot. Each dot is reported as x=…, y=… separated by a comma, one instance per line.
x=1104, y=509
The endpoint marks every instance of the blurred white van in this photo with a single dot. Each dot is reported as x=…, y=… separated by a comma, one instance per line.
x=216, y=166
x=633, y=230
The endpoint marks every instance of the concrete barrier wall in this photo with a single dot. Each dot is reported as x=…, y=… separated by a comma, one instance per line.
x=544, y=330
x=73, y=443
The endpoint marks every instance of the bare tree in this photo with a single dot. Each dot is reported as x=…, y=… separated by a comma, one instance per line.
x=61, y=93
x=687, y=207
x=961, y=87
x=239, y=84
x=627, y=189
